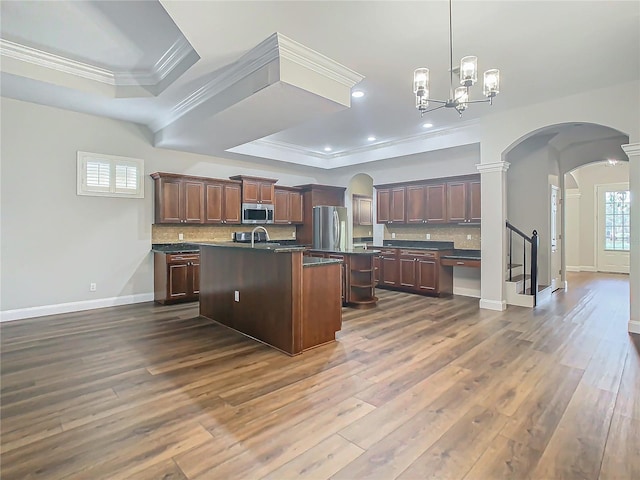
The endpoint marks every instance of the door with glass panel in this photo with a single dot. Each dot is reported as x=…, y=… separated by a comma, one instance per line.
x=614, y=203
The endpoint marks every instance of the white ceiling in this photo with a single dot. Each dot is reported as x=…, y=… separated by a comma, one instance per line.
x=149, y=60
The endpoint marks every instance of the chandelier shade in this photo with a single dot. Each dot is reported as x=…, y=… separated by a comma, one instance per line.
x=459, y=98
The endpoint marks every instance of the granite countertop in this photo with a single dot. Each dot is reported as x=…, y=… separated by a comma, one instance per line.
x=463, y=254
x=315, y=261
x=175, y=248
x=418, y=244
x=263, y=246
x=348, y=251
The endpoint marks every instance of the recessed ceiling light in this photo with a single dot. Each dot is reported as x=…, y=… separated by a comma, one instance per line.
x=427, y=125
x=357, y=94
x=371, y=138
x=327, y=149
x=612, y=162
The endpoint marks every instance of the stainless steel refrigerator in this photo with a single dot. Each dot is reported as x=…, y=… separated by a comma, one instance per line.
x=330, y=228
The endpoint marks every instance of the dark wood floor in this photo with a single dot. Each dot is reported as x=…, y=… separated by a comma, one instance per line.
x=416, y=388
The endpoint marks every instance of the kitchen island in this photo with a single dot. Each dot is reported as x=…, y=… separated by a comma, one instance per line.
x=271, y=293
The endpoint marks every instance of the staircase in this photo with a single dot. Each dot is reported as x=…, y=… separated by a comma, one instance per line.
x=518, y=289
x=521, y=285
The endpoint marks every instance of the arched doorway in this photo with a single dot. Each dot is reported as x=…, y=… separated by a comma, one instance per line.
x=536, y=190
x=359, y=202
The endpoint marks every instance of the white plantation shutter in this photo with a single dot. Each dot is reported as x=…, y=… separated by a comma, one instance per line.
x=97, y=176
x=108, y=175
x=126, y=178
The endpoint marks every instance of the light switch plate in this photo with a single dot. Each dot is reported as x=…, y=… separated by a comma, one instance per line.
x=236, y=296
x=180, y=236
x=428, y=235
x=468, y=237
x=393, y=235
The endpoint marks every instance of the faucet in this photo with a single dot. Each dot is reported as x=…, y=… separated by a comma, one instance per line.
x=254, y=231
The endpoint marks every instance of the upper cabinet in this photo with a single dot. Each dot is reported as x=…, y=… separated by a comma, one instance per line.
x=256, y=189
x=223, y=201
x=391, y=206
x=196, y=200
x=453, y=200
x=287, y=206
x=362, y=210
x=463, y=201
x=427, y=203
x=178, y=199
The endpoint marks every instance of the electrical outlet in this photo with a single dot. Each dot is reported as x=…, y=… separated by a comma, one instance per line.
x=393, y=234
x=180, y=236
x=468, y=237
x=428, y=235
x=231, y=235
x=92, y=287
x=236, y=296
x=293, y=234
x=369, y=232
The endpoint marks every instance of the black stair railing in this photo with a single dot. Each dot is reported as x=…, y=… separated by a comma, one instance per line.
x=533, y=257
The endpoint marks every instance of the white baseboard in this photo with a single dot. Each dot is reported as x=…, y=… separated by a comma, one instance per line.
x=572, y=268
x=493, y=304
x=30, y=312
x=466, y=292
x=588, y=268
x=634, y=326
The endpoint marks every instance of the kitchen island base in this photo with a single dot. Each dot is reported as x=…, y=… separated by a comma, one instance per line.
x=272, y=295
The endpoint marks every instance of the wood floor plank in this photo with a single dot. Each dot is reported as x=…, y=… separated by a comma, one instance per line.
x=417, y=387
x=577, y=446
x=623, y=450
x=319, y=462
x=505, y=459
x=455, y=453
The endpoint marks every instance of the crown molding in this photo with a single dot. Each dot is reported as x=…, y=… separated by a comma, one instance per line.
x=631, y=149
x=55, y=62
x=493, y=167
x=365, y=148
x=258, y=57
x=314, y=61
x=170, y=59
x=176, y=53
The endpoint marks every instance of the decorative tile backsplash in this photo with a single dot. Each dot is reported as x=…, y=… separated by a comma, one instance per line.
x=362, y=231
x=214, y=233
x=440, y=233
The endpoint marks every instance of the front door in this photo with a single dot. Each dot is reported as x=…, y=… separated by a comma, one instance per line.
x=614, y=204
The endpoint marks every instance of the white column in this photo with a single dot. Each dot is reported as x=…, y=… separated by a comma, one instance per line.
x=633, y=152
x=493, y=241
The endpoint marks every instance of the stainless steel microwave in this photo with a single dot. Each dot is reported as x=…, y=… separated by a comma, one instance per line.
x=257, y=213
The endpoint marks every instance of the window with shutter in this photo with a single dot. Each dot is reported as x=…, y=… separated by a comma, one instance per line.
x=108, y=175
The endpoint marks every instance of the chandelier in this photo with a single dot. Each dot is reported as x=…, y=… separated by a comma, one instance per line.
x=458, y=98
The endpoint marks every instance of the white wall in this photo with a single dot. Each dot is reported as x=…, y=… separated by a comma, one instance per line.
x=588, y=177
x=53, y=242
x=573, y=232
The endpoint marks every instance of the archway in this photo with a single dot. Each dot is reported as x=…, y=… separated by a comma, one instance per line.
x=539, y=162
x=359, y=189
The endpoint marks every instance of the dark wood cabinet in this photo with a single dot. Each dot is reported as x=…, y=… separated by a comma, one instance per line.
x=389, y=268
x=256, y=189
x=223, y=202
x=287, y=206
x=415, y=271
x=358, y=277
x=390, y=205
x=178, y=199
x=463, y=201
x=439, y=201
x=362, y=210
x=426, y=203
x=176, y=277
x=197, y=200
